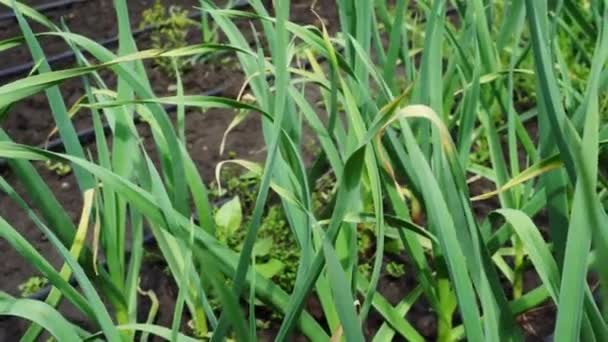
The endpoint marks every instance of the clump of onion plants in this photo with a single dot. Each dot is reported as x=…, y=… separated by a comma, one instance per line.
x=398, y=104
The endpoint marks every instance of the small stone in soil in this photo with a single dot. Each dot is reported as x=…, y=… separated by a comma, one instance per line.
x=427, y=325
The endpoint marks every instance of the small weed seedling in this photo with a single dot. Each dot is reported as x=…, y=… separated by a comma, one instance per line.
x=32, y=285
x=170, y=32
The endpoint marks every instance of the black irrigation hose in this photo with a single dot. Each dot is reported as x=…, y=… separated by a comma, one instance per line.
x=87, y=135
x=43, y=8
x=68, y=55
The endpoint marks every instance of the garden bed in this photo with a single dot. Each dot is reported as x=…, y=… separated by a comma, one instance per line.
x=30, y=121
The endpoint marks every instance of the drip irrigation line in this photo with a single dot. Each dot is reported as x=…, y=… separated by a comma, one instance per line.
x=69, y=55
x=87, y=135
x=43, y=8
x=25, y=68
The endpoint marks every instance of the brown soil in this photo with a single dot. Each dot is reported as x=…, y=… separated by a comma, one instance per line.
x=30, y=121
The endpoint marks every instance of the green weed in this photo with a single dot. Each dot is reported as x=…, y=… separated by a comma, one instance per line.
x=32, y=285
x=170, y=31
